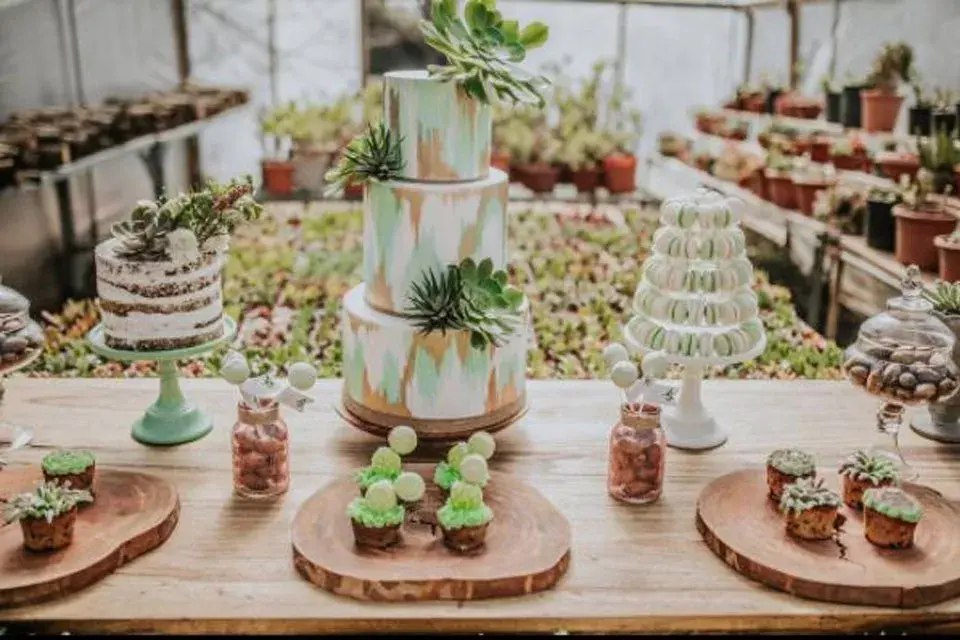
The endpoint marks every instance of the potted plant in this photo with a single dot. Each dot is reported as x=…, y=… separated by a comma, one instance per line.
x=850, y=112
x=879, y=225
x=921, y=113
x=707, y=121
x=584, y=152
x=537, y=170
x=734, y=165
x=849, y=154
x=881, y=103
x=843, y=208
x=736, y=130
x=939, y=155
x=896, y=164
x=921, y=217
x=275, y=127
x=46, y=515
x=772, y=89
x=946, y=307
x=948, y=248
x=832, y=99
x=820, y=145
x=779, y=180
x=795, y=105
x=703, y=160
x=944, y=115
x=672, y=145
x=809, y=179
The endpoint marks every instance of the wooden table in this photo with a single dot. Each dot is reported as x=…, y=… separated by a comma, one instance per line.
x=228, y=567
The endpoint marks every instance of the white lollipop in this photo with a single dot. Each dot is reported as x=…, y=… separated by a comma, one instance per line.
x=614, y=353
x=380, y=496
x=409, y=486
x=473, y=469
x=457, y=453
x=302, y=375
x=386, y=459
x=624, y=374
x=235, y=369
x=483, y=443
x=402, y=439
x=655, y=365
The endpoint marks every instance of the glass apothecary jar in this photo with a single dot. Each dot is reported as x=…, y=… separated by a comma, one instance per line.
x=638, y=449
x=20, y=337
x=903, y=356
x=261, y=451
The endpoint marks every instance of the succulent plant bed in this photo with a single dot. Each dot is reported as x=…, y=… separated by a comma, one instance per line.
x=286, y=277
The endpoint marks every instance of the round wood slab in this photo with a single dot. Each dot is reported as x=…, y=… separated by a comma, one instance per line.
x=132, y=513
x=527, y=548
x=745, y=529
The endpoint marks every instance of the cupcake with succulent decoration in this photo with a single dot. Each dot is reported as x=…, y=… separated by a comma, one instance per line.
x=811, y=509
x=890, y=517
x=862, y=471
x=786, y=466
x=464, y=517
x=386, y=462
x=72, y=469
x=377, y=515
x=46, y=515
x=449, y=471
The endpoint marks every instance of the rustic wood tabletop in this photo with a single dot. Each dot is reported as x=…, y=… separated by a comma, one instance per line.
x=228, y=566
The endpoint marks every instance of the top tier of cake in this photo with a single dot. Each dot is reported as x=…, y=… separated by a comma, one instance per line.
x=445, y=133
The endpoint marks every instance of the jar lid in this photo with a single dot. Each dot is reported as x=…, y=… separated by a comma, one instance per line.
x=637, y=416
x=12, y=303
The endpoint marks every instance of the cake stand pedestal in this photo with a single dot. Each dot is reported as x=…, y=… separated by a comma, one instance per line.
x=923, y=424
x=688, y=425
x=172, y=419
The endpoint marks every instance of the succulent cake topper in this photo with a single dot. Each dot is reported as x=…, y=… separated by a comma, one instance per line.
x=806, y=494
x=467, y=297
x=373, y=156
x=180, y=229
x=482, y=50
x=869, y=468
x=792, y=462
x=464, y=508
x=62, y=463
x=893, y=503
x=48, y=501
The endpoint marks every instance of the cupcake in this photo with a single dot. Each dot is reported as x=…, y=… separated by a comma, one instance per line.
x=786, y=466
x=448, y=471
x=811, y=510
x=72, y=469
x=386, y=462
x=47, y=515
x=377, y=515
x=891, y=516
x=464, y=518
x=862, y=471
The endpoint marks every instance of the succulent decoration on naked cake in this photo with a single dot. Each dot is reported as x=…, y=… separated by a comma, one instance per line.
x=436, y=338
x=159, y=277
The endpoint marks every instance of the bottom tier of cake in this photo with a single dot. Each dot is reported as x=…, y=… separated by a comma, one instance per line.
x=437, y=383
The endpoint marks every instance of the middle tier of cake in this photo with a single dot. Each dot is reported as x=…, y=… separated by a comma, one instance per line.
x=412, y=227
x=435, y=382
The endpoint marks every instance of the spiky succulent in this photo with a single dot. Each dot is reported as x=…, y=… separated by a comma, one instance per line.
x=869, y=468
x=806, y=494
x=204, y=218
x=48, y=501
x=373, y=156
x=945, y=297
x=482, y=50
x=467, y=297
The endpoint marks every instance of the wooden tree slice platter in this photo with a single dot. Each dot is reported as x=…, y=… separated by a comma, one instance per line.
x=745, y=529
x=132, y=513
x=527, y=547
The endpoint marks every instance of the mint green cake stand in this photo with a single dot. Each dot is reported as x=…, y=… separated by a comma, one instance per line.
x=172, y=419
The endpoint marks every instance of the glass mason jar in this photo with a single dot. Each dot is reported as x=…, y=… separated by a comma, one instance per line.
x=261, y=452
x=638, y=449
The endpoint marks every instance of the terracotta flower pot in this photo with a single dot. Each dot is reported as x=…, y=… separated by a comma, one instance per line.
x=757, y=183
x=564, y=173
x=737, y=134
x=916, y=231
x=278, y=176
x=539, y=177
x=850, y=163
x=755, y=103
x=820, y=150
x=880, y=109
x=895, y=165
x=353, y=192
x=806, y=193
x=781, y=189
x=949, y=258
x=500, y=161
x=708, y=123
x=620, y=173
x=586, y=180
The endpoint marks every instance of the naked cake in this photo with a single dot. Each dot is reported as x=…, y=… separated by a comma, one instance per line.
x=159, y=278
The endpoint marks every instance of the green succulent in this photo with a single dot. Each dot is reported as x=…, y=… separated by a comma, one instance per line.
x=467, y=297
x=792, y=462
x=482, y=50
x=374, y=156
x=806, y=494
x=48, y=501
x=945, y=297
x=893, y=64
x=870, y=468
x=62, y=463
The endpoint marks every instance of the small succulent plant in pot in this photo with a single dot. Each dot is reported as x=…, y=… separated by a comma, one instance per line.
x=921, y=217
x=945, y=297
x=879, y=225
x=46, y=515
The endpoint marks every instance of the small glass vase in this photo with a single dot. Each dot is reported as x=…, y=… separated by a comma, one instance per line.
x=261, y=452
x=638, y=449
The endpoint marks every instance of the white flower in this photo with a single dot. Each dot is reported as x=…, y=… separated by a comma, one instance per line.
x=219, y=243
x=182, y=246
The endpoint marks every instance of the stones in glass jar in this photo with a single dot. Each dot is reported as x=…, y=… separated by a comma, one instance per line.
x=911, y=375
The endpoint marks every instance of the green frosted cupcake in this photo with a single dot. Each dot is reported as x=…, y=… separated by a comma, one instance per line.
x=71, y=469
x=890, y=517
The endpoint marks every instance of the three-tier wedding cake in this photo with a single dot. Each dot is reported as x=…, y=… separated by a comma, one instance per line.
x=447, y=205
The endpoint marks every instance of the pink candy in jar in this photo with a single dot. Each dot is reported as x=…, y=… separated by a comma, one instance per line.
x=637, y=455
x=261, y=452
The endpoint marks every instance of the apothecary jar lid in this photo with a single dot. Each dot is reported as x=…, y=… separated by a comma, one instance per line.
x=12, y=304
